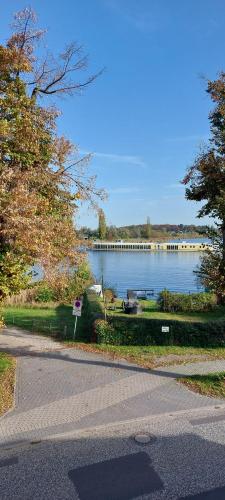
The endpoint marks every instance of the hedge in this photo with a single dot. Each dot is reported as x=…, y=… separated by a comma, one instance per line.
x=91, y=311
x=182, y=302
x=144, y=331
x=126, y=330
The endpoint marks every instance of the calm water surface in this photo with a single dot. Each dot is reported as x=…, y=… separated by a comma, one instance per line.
x=172, y=270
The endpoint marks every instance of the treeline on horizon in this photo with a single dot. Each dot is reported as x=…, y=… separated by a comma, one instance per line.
x=145, y=231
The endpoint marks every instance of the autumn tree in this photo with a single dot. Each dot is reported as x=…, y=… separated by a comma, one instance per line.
x=205, y=182
x=112, y=233
x=101, y=225
x=42, y=177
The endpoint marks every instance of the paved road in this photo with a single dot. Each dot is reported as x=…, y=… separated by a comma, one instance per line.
x=74, y=424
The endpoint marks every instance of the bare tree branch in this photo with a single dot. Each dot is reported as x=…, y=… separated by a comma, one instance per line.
x=54, y=75
x=81, y=160
x=56, y=78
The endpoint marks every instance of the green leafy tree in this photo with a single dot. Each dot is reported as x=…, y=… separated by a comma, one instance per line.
x=74, y=285
x=206, y=183
x=124, y=233
x=101, y=225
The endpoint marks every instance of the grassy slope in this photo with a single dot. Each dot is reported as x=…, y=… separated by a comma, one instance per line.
x=212, y=384
x=7, y=380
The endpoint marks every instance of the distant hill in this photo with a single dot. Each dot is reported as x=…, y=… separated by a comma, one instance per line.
x=146, y=231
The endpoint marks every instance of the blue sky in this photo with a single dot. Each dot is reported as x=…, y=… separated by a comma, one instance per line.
x=147, y=115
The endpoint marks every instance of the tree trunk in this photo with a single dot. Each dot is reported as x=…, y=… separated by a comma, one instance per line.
x=223, y=244
x=221, y=296
x=220, y=299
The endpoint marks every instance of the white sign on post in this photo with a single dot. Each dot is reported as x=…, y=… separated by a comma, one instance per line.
x=165, y=329
x=77, y=306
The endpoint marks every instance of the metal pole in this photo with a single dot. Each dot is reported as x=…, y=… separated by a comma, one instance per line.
x=75, y=327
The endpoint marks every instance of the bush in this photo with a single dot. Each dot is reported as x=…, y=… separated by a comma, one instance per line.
x=44, y=293
x=108, y=295
x=180, y=302
x=144, y=331
x=105, y=332
x=76, y=283
x=148, y=331
x=91, y=311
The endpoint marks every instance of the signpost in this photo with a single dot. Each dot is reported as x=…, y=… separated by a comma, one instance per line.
x=77, y=306
x=165, y=329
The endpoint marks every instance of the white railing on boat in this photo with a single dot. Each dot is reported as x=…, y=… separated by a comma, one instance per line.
x=150, y=246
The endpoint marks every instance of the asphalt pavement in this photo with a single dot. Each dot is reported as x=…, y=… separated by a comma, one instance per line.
x=86, y=427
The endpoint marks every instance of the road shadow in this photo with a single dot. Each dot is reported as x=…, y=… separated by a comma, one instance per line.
x=90, y=358
x=114, y=467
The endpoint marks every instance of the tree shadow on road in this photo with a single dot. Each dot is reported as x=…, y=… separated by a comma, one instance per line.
x=88, y=358
x=108, y=466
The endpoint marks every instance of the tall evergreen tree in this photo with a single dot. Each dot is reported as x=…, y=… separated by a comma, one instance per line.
x=148, y=228
x=101, y=225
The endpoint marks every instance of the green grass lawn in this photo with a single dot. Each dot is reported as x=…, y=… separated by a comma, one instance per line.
x=47, y=319
x=212, y=384
x=150, y=310
x=52, y=319
x=7, y=380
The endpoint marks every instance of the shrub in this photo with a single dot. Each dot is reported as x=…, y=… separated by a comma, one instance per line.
x=145, y=331
x=108, y=294
x=108, y=297
x=105, y=332
x=148, y=331
x=180, y=302
x=76, y=283
x=91, y=311
x=44, y=293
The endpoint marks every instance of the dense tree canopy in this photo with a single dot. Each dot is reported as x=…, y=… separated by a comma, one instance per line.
x=206, y=183
x=42, y=177
x=138, y=231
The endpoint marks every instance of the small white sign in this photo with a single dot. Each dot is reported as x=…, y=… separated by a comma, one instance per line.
x=76, y=312
x=165, y=329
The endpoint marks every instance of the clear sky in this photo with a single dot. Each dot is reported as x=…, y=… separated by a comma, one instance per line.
x=147, y=115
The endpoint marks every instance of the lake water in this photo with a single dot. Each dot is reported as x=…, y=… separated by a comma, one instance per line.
x=140, y=270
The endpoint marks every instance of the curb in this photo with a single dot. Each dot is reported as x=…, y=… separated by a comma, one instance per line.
x=15, y=391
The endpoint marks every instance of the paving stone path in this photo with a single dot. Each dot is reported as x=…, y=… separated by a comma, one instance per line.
x=61, y=390
x=72, y=432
